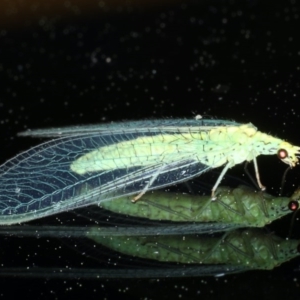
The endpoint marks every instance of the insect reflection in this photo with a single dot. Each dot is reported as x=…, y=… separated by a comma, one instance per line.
x=175, y=248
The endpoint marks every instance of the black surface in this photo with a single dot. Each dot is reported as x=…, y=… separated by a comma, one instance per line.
x=236, y=60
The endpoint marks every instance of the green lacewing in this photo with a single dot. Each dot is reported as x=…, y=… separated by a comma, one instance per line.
x=128, y=158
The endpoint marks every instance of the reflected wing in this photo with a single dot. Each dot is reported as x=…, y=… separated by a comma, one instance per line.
x=133, y=268
x=137, y=230
x=82, y=273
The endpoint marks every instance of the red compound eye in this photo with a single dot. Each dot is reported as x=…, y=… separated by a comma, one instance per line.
x=293, y=205
x=282, y=153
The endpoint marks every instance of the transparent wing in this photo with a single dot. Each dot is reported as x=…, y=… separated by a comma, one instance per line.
x=39, y=182
x=147, y=126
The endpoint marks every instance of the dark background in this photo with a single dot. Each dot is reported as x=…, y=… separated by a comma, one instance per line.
x=73, y=63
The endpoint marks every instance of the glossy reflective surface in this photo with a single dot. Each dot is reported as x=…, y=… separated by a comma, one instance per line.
x=71, y=65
